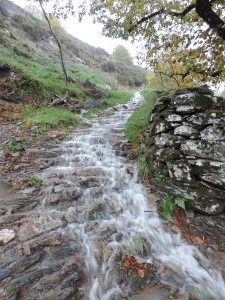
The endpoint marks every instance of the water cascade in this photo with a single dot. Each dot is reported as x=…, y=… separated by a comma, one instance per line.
x=111, y=210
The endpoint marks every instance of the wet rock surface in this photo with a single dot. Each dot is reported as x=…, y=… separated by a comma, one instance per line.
x=186, y=143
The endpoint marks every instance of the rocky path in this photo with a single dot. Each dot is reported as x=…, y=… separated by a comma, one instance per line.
x=85, y=234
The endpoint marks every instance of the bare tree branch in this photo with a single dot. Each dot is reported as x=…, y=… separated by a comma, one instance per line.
x=144, y=19
x=184, y=12
x=56, y=39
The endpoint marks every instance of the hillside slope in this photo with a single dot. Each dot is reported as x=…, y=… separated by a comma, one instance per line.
x=30, y=53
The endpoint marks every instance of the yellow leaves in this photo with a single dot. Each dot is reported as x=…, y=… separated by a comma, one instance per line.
x=176, y=70
x=149, y=77
x=141, y=273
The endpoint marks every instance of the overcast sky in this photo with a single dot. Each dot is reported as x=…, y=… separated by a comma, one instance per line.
x=88, y=32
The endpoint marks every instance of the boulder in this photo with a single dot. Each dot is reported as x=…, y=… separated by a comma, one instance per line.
x=93, y=104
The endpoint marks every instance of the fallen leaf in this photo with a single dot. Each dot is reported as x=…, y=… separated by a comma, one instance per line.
x=196, y=239
x=141, y=273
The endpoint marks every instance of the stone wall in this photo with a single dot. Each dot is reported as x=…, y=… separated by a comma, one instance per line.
x=185, y=148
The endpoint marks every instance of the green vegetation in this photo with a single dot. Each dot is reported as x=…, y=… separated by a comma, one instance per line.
x=34, y=181
x=163, y=176
x=49, y=117
x=169, y=205
x=222, y=245
x=136, y=125
x=139, y=120
x=40, y=74
x=14, y=145
x=122, y=55
x=120, y=97
x=11, y=288
x=91, y=112
x=194, y=293
x=143, y=168
x=134, y=245
x=34, y=61
x=155, y=24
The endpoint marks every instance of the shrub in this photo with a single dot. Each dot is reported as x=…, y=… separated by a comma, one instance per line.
x=35, y=31
x=17, y=19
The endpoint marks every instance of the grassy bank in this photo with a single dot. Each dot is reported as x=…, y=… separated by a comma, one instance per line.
x=120, y=97
x=136, y=127
x=139, y=119
x=48, y=117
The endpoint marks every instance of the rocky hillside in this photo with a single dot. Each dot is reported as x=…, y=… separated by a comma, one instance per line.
x=30, y=53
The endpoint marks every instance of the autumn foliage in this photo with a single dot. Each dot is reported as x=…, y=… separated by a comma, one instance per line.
x=131, y=264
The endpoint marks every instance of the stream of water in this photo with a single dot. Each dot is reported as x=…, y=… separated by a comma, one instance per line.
x=112, y=210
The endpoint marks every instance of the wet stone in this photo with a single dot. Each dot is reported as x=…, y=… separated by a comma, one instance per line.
x=51, y=239
x=36, y=274
x=71, y=215
x=94, y=210
x=4, y=273
x=37, y=226
x=90, y=171
x=42, y=153
x=24, y=263
x=6, y=235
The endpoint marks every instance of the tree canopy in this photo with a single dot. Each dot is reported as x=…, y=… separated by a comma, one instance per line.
x=164, y=27
x=121, y=54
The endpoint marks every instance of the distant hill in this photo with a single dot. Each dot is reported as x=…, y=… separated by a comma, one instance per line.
x=27, y=46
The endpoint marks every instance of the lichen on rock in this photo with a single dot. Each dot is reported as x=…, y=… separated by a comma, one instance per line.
x=188, y=140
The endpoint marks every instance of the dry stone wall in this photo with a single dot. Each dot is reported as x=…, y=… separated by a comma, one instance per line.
x=185, y=145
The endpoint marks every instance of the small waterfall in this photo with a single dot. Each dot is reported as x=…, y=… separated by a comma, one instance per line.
x=112, y=208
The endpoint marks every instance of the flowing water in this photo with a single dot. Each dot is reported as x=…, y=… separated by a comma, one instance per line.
x=112, y=212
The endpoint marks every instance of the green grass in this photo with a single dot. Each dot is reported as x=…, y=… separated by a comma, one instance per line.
x=40, y=74
x=120, y=97
x=148, y=94
x=134, y=245
x=101, y=80
x=43, y=74
x=137, y=123
x=49, y=117
x=90, y=113
x=139, y=119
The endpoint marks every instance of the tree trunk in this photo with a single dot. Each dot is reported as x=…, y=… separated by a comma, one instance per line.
x=56, y=39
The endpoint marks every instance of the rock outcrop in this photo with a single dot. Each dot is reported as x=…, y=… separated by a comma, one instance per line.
x=186, y=148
